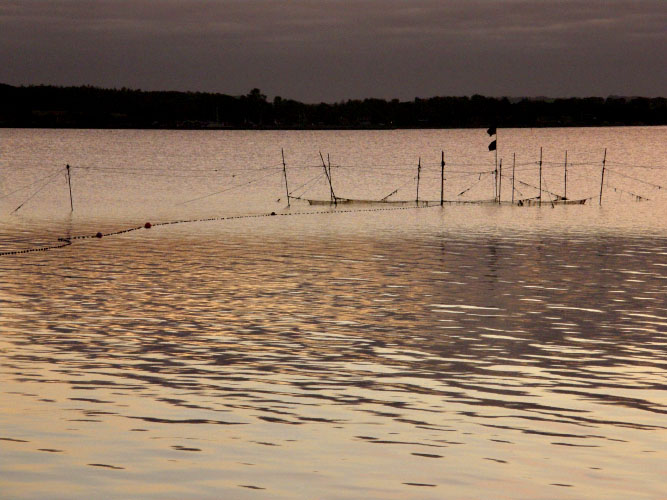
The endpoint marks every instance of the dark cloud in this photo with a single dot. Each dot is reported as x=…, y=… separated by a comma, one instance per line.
x=333, y=49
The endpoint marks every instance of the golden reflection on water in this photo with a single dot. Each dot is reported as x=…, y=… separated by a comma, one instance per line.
x=462, y=352
x=205, y=362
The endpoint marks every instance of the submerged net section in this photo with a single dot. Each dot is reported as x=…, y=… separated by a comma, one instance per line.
x=372, y=187
x=520, y=183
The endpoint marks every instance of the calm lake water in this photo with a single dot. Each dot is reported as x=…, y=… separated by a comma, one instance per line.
x=465, y=352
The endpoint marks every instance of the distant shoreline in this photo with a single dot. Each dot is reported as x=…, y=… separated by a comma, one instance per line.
x=303, y=129
x=96, y=108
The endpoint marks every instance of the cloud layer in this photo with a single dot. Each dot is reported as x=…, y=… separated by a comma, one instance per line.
x=335, y=49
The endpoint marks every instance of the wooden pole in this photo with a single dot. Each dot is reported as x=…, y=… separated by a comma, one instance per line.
x=282, y=152
x=419, y=170
x=495, y=186
x=540, y=195
x=442, y=178
x=329, y=165
x=604, y=161
x=513, y=167
x=331, y=181
x=565, y=193
x=500, y=180
x=326, y=173
x=69, y=182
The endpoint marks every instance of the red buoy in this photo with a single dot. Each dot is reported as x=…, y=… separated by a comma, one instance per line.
x=148, y=225
x=98, y=235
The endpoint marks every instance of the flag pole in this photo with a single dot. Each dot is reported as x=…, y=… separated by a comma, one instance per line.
x=493, y=146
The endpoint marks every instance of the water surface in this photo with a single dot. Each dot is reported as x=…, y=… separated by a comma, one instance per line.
x=451, y=352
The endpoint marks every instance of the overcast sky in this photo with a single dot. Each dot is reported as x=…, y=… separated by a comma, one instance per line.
x=330, y=50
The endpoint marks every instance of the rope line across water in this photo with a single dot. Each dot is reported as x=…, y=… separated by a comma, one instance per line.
x=64, y=242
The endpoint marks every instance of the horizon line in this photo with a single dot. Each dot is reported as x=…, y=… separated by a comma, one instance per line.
x=510, y=97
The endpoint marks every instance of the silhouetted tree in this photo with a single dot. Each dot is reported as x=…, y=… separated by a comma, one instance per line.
x=91, y=107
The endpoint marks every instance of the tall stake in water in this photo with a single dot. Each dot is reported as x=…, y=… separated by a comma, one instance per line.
x=419, y=170
x=442, y=179
x=540, y=195
x=282, y=152
x=495, y=174
x=496, y=156
x=565, y=193
x=604, y=162
x=335, y=200
x=494, y=147
x=69, y=183
x=329, y=166
x=500, y=180
x=326, y=173
x=513, y=166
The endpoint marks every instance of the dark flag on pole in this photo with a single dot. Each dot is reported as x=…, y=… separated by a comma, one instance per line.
x=492, y=146
x=491, y=131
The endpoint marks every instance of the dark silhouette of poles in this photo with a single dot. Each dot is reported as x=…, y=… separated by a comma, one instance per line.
x=331, y=181
x=495, y=186
x=282, y=152
x=604, y=161
x=540, y=195
x=513, y=166
x=494, y=147
x=69, y=183
x=326, y=172
x=565, y=180
x=419, y=170
x=442, y=179
x=500, y=180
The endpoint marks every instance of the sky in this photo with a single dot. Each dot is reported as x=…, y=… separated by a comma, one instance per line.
x=332, y=50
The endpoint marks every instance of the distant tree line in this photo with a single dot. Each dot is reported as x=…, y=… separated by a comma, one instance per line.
x=92, y=107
